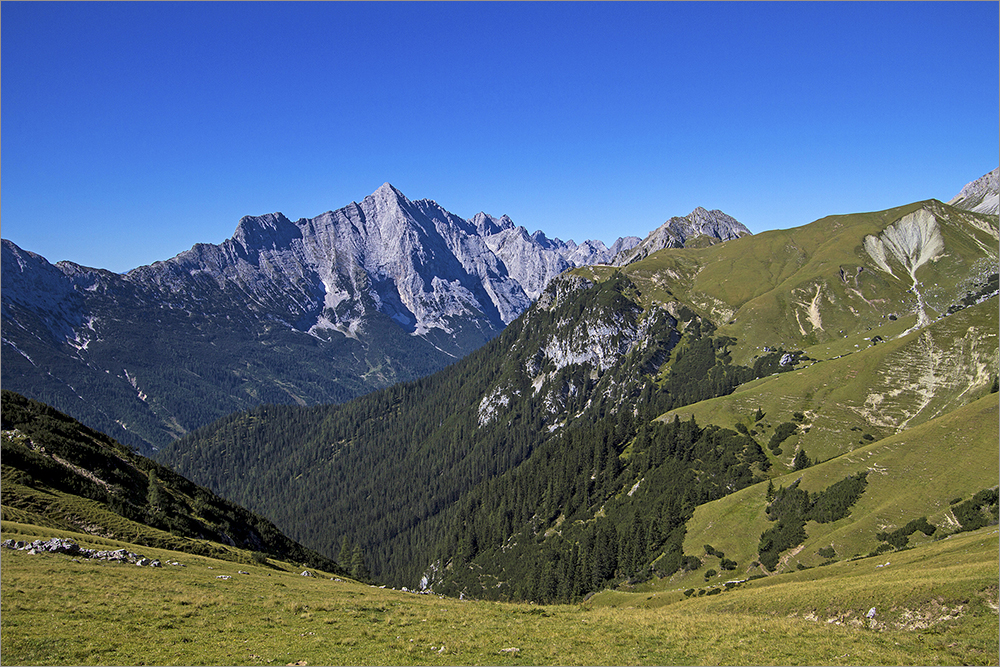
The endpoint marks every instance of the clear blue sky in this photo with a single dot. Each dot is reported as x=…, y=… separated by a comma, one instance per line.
x=131, y=131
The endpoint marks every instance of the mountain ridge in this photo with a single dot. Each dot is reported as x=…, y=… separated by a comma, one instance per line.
x=709, y=226
x=981, y=195
x=61, y=474
x=307, y=311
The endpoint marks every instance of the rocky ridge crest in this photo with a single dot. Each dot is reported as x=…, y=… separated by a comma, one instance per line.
x=715, y=226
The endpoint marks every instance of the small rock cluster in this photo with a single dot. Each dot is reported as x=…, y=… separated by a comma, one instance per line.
x=59, y=545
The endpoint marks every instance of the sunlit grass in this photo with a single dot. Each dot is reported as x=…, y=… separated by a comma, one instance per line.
x=913, y=474
x=57, y=611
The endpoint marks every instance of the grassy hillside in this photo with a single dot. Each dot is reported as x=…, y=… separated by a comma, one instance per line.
x=530, y=466
x=936, y=605
x=857, y=472
x=818, y=283
x=941, y=594
x=917, y=473
x=858, y=391
x=60, y=474
x=402, y=471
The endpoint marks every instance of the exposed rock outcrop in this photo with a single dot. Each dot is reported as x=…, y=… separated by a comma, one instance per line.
x=981, y=195
x=61, y=545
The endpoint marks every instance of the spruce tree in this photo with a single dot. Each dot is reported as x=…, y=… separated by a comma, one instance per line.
x=358, y=568
x=801, y=461
x=344, y=557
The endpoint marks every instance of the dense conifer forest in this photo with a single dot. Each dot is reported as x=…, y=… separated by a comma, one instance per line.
x=425, y=486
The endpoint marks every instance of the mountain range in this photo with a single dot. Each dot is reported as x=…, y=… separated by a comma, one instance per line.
x=582, y=446
x=789, y=434
x=312, y=311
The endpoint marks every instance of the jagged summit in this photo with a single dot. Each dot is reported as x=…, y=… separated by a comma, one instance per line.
x=388, y=193
x=312, y=310
x=270, y=230
x=487, y=225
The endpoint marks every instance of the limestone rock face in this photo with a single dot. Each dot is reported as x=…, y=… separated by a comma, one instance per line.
x=414, y=261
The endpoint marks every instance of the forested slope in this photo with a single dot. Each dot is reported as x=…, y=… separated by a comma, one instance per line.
x=534, y=468
x=387, y=470
x=62, y=474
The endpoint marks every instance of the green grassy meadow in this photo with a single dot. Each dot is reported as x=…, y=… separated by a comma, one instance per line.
x=850, y=387
x=59, y=611
x=916, y=473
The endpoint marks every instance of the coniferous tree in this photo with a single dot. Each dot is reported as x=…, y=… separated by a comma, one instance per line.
x=801, y=461
x=358, y=568
x=344, y=557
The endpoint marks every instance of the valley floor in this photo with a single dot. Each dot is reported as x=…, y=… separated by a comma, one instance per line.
x=57, y=610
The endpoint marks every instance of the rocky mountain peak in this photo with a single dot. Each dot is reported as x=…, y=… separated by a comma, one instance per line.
x=272, y=230
x=388, y=191
x=981, y=195
x=487, y=225
x=675, y=233
x=387, y=201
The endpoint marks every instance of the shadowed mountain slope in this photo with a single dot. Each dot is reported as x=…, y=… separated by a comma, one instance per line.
x=60, y=474
x=539, y=454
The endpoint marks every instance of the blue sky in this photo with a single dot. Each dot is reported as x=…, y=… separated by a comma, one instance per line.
x=132, y=131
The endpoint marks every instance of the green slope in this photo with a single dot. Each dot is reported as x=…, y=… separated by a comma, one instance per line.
x=818, y=283
x=393, y=470
x=912, y=474
x=531, y=466
x=61, y=474
x=936, y=605
x=876, y=390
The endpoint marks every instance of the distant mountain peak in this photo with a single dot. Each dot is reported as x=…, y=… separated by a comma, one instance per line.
x=270, y=230
x=486, y=224
x=387, y=196
x=981, y=195
x=677, y=231
x=389, y=190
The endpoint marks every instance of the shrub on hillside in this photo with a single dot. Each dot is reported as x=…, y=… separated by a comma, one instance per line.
x=781, y=433
x=801, y=461
x=792, y=507
x=979, y=511
x=690, y=563
x=901, y=536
